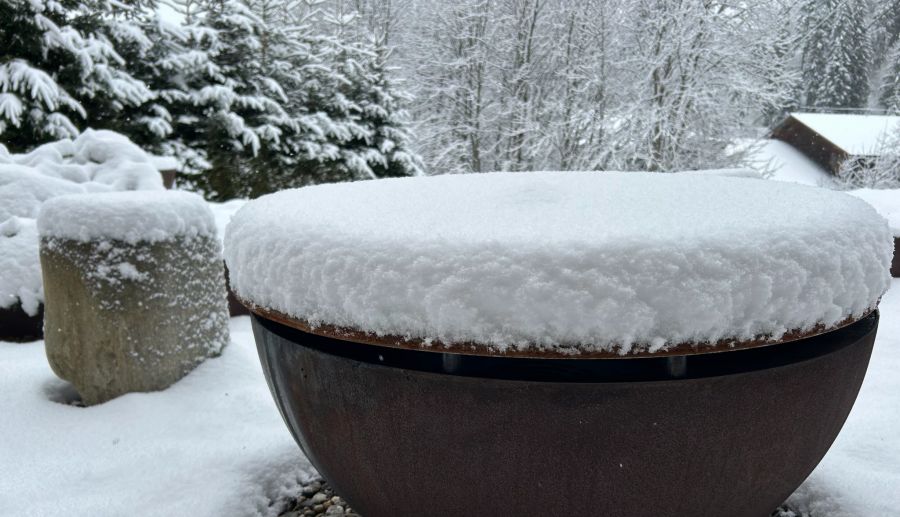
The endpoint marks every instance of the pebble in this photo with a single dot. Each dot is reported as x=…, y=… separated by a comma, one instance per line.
x=317, y=499
x=785, y=511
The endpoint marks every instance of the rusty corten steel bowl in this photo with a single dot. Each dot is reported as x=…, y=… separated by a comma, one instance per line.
x=404, y=431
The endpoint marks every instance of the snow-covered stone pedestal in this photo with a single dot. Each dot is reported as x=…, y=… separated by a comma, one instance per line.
x=95, y=161
x=134, y=290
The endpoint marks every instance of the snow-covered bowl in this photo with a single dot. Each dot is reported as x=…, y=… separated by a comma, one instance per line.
x=555, y=343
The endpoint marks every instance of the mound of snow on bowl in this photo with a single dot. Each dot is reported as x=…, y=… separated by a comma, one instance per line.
x=570, y=261
x=885, y=201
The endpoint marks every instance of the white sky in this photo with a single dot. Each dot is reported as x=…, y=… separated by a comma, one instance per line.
x=168, y=14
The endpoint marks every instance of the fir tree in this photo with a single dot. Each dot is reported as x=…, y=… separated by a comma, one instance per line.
x=346, y=122
x=846, y=81
x=363, y=130
x=238, y=110
x=890, y=87
x=57, y=73
x=814, y=25
x=279, y=106
x=368, y=103
x=144, y=42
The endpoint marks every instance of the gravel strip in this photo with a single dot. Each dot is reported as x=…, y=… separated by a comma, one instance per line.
x=317, y=499
x=785, y=511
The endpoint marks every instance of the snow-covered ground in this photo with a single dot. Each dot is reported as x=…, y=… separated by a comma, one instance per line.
x=860, y=476
x=214, y=444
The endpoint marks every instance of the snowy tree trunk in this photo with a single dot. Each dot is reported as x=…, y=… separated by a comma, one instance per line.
x=126, y=317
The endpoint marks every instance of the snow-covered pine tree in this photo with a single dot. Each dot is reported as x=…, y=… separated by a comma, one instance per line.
x=289, y=57
x=144, y=42
x=366, y=125
x=845, y=83
x=884, y=31
x=320, y=106
x=890, y=86
x=190, y=10
x=815, y=30
x=232, y=110
x=387, y=151
x=57, y=73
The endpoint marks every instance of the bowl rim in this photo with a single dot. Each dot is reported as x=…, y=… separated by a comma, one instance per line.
x=358, y=336
x=275, y=339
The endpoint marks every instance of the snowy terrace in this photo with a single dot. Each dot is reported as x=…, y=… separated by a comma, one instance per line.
x=214, y=443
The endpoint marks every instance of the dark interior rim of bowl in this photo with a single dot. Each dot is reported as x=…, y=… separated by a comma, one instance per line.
x=606, y=369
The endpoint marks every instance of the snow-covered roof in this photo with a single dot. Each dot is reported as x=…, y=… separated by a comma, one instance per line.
x=567, y=261
x=861, y=135
x=784, y=162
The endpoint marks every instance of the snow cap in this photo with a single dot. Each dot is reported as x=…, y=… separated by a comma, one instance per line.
x=570, y=261
x=130, y=216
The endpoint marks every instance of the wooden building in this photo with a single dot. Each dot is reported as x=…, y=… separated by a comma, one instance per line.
x=829, y=139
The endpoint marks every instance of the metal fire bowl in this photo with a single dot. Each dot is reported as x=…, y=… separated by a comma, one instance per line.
x=411, y=432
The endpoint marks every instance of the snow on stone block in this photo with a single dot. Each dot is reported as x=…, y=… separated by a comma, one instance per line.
x=95, y=161
x=134, y=290
x=573, y=262
x=20, y=283
x=132, y=216
x=99, y=159
x=23, y=190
